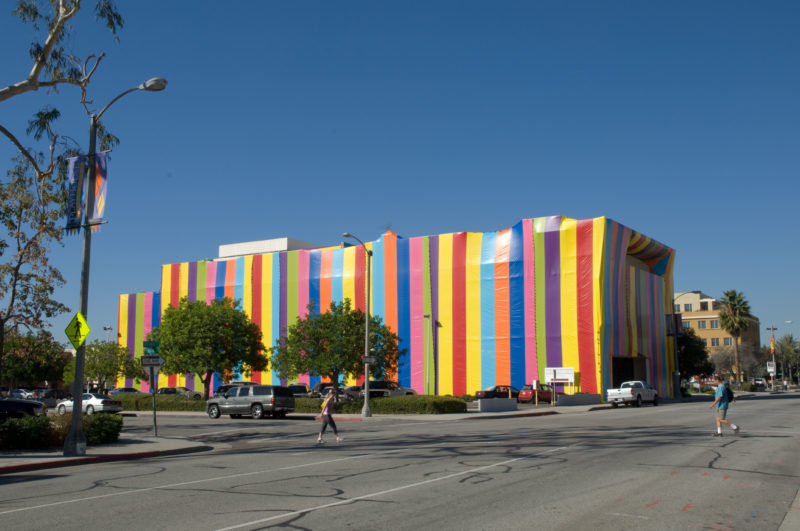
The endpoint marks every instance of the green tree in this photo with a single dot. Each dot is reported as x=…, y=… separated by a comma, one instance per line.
x=205, y=338
x=331, y=345
x=34, y=358
x=692, y=356
x=734, y=318
x=106, y=360
x=33, y=198
x=787, y=353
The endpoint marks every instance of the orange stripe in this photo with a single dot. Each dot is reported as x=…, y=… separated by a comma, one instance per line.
x=326, y=271
x=230, y=278
x=502, y=309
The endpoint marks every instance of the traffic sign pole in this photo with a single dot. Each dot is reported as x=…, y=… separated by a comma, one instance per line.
x=153, y=391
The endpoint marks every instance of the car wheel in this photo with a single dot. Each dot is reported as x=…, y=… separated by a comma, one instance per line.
x=257, y=411
x=639, y=401
x=62, y=410
x=655, y=400
x=614, y=404
x=90, y=410
x=213, y=411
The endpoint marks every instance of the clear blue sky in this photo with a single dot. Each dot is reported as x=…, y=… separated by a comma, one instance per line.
x=307, y=119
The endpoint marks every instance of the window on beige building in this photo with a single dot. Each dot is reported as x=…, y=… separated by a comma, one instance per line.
x=728, y=341
x=714, y=324
x=714, y=341
x=701, y=325
x=687, y=307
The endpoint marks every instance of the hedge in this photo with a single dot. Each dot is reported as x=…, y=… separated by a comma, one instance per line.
x=41, y=433
x=144, y=402
x=390, y=405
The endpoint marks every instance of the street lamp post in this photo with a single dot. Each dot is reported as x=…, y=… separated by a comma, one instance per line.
x=366, y=411
x=75, y=442
x=772, y=351
x=108, y=330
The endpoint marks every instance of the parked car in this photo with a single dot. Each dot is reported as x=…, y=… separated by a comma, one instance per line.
x=339, y=397
x=319, y=389
x=194, y=394
x=353, y=392
x=545, y=392
x=498, y=391
x=760, y=384
x=632, y=393
x=381, y=388
x=123, y=391
x=300, y=390
x=51, y=397
x=257, y=401
x=13, y=408
x=21, y=393
x=181, y=391
x=91, y=403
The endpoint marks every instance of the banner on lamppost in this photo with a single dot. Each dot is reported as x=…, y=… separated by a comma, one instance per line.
x=100, y=189
x=772, y=344
x=78, y=188
x=76, y=173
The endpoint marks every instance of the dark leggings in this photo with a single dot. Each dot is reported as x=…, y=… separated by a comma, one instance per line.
x=327, y=419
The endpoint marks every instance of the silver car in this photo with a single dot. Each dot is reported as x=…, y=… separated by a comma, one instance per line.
x=257, y=401
x=91, y=403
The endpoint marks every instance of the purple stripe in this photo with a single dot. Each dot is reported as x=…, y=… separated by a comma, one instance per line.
x=552, y=289
x=131, y=341
x=433, y=246
x=284, y=262
x=192, y=287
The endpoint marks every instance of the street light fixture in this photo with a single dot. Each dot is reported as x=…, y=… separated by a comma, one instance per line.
x=108, y=330
x=75, y=442
x=365, y=411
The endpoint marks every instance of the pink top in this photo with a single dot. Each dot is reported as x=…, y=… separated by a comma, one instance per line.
x=328, y=409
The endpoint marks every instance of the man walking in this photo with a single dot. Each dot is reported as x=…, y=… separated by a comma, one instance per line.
x=721, y=403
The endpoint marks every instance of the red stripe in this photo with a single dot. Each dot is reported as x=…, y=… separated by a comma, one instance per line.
x=586, y=361
x=459, y=314
x=360, y=289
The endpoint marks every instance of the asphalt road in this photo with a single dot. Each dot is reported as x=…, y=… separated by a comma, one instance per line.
x=627, y=468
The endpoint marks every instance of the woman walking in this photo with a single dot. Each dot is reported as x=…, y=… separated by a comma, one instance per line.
x=327, y=410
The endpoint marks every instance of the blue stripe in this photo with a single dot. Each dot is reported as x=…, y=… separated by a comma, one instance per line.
x=403, y=312
x=378, y=307
x=156, y=310
x=517, y=310
x=337, y=291
x=314, y=272
x=238, y=282
x=219, y=286
x=488, y=244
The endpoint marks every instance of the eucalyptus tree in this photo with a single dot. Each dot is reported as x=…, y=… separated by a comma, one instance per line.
x=32, y=198
x=734, y=318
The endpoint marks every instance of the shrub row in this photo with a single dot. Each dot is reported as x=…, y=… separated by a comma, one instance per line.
x=144, y=402
x=390, y=405
x=41, y=433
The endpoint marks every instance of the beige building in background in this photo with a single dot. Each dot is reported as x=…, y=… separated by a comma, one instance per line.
x=700, y=313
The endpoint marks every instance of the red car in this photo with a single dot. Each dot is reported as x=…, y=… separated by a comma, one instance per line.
x=545, y=393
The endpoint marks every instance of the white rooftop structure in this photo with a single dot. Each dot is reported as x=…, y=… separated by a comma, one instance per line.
x=234, y=250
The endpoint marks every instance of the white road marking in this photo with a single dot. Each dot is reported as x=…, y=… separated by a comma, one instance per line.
x=388, y=491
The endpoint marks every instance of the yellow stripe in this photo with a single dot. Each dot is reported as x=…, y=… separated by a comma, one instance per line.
x=348, y=275
x=122, y=340
x=266, y=310
x=598, y=249
x=473, y=302
x=569, y=293
x=445, y=333
x=184, y=281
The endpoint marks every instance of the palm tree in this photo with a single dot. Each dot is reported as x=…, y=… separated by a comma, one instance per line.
x=734, y=318
x=787, y=350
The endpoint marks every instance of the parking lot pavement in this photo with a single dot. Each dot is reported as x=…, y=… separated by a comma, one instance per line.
x=139, y=446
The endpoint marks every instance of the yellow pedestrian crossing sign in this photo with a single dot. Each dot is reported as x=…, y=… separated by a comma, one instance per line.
x=77, y=330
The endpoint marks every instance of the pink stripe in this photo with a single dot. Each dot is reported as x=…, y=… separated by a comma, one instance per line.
x=303, y=260
x=148, y=314
x=211, y=279
x=528, y=264
x=417, y=289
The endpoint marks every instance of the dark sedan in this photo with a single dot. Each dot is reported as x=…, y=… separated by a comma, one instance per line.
x=498, y=391
x=18, y=408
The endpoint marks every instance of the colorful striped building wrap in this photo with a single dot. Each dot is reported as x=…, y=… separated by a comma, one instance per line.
x=471, y=310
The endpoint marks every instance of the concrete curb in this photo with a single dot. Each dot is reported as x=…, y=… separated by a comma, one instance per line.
x=87, y=460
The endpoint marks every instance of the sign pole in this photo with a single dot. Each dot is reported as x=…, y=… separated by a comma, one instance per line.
x=153, y=391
